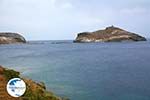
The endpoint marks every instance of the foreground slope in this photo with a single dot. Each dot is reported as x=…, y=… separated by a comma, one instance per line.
x=34, y=91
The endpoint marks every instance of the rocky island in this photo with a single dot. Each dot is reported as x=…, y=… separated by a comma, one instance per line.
x=34, y=91
x=110, y=34
x=9, y=38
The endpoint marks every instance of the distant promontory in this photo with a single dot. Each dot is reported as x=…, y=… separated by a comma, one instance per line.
x=9, y=38
x=109, y=34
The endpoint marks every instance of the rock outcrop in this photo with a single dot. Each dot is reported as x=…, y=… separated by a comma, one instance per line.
x=110, y=34
x=9, y=38
x=34, y=91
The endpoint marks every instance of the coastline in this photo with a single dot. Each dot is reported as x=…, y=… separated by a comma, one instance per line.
x=34, y=91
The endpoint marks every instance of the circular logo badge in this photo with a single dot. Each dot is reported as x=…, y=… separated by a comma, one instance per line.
x=16, y=87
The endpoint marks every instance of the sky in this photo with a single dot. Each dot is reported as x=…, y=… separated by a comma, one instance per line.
x=63, y=19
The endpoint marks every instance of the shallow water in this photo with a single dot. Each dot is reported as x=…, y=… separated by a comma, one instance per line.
x=88, y=71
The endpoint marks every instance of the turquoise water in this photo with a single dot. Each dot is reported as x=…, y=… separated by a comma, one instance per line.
x=88, y=71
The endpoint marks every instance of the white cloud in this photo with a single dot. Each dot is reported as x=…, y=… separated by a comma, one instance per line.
x=54, y=18
x=53, y=3
x=67, y=5
x=133, y=11
x=89, y=21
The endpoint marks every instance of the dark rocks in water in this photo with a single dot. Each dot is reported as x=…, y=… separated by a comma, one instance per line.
x=9, y=38
x=110, y=34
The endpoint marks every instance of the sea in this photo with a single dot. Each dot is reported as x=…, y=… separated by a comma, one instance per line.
x=84, y=71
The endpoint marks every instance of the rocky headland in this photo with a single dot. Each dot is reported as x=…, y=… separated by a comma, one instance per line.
x=9, y=38
x=34, y=91
x=109, y=34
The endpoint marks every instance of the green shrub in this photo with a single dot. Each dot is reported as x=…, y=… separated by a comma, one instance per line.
x=9, y=74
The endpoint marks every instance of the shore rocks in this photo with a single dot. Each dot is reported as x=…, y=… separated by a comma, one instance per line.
x=34, y=91
x=9, y=38
x=110, y=34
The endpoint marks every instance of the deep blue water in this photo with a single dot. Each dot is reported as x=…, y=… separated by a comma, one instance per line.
x=88, y=71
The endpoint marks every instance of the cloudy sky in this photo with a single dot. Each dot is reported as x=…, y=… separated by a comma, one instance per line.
x=63, y=19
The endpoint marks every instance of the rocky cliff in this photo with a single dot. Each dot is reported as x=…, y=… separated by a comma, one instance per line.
x=8, y=38
x=34, y=91
x=110, y=34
